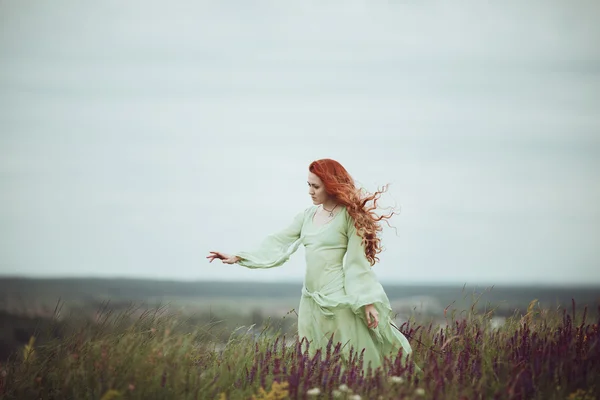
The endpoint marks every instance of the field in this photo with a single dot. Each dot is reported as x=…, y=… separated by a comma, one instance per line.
x=104, y=339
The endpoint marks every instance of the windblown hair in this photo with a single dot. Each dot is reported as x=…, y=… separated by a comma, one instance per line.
x=340, y=185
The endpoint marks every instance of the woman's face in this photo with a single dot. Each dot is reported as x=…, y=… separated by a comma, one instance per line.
x=316, y=189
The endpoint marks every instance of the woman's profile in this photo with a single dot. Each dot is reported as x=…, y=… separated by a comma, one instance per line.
x=341, y=295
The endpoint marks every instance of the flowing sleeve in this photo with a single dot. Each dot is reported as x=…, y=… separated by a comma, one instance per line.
x=276, y=248
x=361, y=283
x=362, y=288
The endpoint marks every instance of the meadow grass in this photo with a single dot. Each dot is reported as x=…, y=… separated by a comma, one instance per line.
x=540, y=354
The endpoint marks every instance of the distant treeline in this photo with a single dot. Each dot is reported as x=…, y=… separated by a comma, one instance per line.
x=136, y=289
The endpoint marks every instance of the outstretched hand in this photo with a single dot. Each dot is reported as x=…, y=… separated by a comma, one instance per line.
x=372, y=316
x=225, y=258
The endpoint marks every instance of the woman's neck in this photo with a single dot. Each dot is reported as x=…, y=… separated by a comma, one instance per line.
x=329, y=204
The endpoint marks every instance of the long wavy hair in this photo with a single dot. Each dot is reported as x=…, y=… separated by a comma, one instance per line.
x=340, y=185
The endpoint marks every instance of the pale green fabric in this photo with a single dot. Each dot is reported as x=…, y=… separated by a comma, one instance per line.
x=335, y=289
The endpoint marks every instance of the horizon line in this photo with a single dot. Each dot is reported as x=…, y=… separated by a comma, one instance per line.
x=395, y=283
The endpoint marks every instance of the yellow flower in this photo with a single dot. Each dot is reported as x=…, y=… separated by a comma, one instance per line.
x=581, y=394
x=262, y=395
x=279, y=391
x=111, y=394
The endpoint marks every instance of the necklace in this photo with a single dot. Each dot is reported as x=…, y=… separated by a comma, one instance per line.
x=330, y=211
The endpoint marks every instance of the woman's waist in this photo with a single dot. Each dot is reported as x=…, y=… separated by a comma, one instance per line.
x=325, y=282
x=325, y=254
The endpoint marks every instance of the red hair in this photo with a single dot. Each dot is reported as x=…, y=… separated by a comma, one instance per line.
x=340, y=185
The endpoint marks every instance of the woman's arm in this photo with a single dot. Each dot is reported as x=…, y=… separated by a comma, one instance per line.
x=361, y=284
x=276, y=249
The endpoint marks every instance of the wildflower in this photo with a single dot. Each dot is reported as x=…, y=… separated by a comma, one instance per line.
x=131, y=386
x=313, y=392
x=581, y=394
x=343, y=387
x=163, y=379
x=262, y=394
x=279, y=390
x=336, y=393
x=354, y=397
x=111, y=394
x=396, y=379
x=420, y=392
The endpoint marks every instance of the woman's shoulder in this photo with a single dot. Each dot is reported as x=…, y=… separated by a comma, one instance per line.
x=310, y=209
x=307, y=211
x=348, y=220
x=346, y=215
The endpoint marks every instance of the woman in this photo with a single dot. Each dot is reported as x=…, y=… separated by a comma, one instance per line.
x=340, y=297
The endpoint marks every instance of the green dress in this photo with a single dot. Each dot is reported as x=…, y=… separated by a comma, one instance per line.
x=335, y=289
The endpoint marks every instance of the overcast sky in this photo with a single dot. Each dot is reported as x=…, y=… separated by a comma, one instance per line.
x=136, y=136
